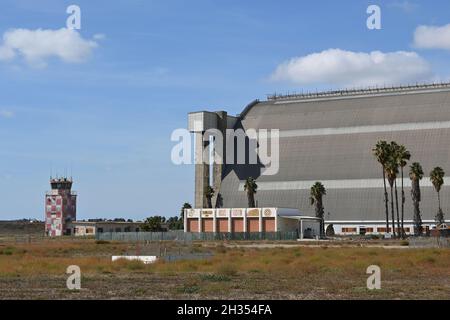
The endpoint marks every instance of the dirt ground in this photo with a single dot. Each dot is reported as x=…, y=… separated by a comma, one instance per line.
x=36, y=270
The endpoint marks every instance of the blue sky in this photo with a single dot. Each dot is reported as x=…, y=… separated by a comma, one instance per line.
x=108, y=117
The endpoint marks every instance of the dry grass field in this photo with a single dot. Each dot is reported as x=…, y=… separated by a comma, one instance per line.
x=36, y=270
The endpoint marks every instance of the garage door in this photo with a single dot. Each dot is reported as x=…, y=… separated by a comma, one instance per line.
x=269, y=224
x=207, y=225
x=237, y=225
x=192, y=225
x=222, y=225
x=253, y=225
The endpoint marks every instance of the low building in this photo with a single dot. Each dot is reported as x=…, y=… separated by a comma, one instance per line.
x=91, y=228
x=373, y=227
x=251, y=220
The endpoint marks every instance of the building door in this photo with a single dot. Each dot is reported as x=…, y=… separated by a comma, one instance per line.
x=237, y=225
x=268, y=224
x=253, y=225
x=207, y=225
x=192, y=225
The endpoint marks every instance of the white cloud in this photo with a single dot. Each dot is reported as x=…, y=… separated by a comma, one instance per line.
x=405, y=5
x=432, y=37
x=35, y=46
x=99, y=36
x=347, y=68
x=6, y=114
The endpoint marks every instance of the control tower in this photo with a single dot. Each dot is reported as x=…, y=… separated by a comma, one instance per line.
x=60, y=207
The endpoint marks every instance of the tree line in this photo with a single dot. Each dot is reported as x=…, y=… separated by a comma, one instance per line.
x=159, y=223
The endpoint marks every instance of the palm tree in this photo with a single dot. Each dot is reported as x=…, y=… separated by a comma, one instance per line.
x=381, y=154
x=317, y=193
x=394, y=158
x=403, y=156
x=437, y=179
x=186, y=205
x=209, y=194
x=250, y=187
x=391, y=173
x=416, y=174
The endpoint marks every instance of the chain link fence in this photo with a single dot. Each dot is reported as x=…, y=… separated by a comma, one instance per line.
x=191, y=236
x=431, y=242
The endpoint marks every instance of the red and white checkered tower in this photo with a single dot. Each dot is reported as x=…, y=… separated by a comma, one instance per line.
x=60, y=207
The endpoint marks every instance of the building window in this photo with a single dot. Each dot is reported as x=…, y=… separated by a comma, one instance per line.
x=383, y=230
x=99, y=230
x=348, y=230
x=118, y=230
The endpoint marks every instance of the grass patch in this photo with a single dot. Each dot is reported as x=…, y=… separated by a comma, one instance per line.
x=227, y=269
x=214, y=277
x=102, y=242
x=189, y=289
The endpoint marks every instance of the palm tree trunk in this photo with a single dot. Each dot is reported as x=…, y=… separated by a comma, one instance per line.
x=392, y=210
x=417, y=217
x=396, y=205
x=439, y=200
x=251, y=200
x=417, y=220
x=403, y=207
x=386, y=200
x=320, y=214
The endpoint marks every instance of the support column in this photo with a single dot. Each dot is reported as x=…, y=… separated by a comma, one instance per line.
x=219, y=157
x=301, y=229
x=201, y=171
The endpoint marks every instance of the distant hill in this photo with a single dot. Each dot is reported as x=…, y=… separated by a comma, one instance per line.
x=20, y=227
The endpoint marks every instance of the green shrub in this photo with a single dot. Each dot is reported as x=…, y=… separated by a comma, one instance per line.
x=214, y=277
x=7, y=251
